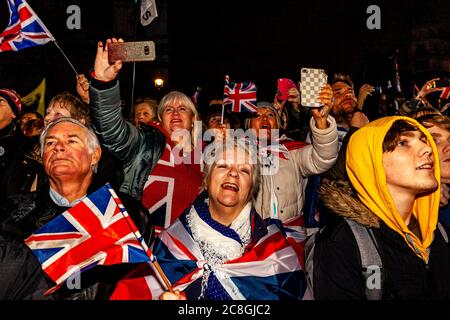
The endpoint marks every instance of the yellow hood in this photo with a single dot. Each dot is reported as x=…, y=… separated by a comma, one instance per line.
x=365, y=170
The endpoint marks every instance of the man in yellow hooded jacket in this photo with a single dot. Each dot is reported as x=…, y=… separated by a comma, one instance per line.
x=393, y=167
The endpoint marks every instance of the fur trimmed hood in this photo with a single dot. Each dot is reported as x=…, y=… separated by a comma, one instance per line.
x=339, y=198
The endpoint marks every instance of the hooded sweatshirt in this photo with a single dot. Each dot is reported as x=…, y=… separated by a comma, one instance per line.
x=365, y=169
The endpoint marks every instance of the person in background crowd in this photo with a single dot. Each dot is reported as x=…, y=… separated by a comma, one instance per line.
x=288, y=163
x=20, y=170
x=144, y=111
x=27, y=116
x=439, y=128
x=67, y=105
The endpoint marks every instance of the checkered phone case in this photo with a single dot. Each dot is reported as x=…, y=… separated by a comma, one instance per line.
x=311, y=82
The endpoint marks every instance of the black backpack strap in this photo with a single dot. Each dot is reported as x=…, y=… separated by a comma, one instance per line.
x=443, y=232
x=309, y=265
x=371, y=263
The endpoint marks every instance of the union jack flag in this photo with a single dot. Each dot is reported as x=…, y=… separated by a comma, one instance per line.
x=270, y=270
x=241, y=96
x=96, y=231
x=171, y=188
x=24, y=29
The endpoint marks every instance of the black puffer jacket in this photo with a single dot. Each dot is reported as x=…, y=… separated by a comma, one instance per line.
x=20, y=166
x=337, y=266
x=21, y=276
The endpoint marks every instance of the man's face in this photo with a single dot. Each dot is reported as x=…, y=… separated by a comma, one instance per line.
x=344, y=99
x=442, y=139
x=215, y=121
x=143, y=113
x=66, y=154
x=265, y=121
x=409, y=168
x=55, y=111
x=6, y=114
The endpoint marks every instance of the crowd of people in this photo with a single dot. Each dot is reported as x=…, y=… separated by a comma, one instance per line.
x=288, y=202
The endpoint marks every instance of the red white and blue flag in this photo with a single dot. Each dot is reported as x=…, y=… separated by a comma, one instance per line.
x=445, y=94
x=270, y=270
x=240, y=96
x=24, y=29
x=171, y=187
x=96, y=231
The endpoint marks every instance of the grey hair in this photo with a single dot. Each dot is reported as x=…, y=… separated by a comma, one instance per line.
x=92, y=140
x=267, y=105
x=211, y=156
x=176, y=96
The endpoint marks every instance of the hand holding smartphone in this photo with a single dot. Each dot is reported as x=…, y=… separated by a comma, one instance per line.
x=311, y=82
x=131, y=51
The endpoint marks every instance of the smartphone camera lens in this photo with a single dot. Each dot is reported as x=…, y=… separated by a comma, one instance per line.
x=146, y=50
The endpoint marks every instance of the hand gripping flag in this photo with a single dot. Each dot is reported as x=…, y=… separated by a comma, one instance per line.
x=241, y=96
x=24, y=29
x=97, y=231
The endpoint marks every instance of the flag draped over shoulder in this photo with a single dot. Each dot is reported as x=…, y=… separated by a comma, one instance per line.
x=148, y=11
x=240, y=96
x=96, y=231
x=270, y=270
x=37, y=95
x=24, y=29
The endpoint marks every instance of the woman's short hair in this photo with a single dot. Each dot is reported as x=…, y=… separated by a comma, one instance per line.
x=269, y=106
x=152, y=103
x=175, y=97
x=214, y=151
x=77, y=108
x=438, y=120
x=394, y=134
x=92, y=140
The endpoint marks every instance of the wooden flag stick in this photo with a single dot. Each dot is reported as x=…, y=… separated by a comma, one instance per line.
x=162, y=275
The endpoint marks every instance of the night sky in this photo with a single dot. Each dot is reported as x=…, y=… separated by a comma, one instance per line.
x=248, y=40
x=262, y=42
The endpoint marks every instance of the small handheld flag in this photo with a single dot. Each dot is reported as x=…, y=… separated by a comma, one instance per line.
x=240, y=96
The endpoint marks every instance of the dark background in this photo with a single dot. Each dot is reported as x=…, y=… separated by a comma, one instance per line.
x=198, y=42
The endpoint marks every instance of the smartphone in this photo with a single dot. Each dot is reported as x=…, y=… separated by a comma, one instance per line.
x=131, y=51
x=283, y=86
x=311, y=82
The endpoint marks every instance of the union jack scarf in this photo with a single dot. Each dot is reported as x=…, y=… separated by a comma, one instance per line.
x=269, y=268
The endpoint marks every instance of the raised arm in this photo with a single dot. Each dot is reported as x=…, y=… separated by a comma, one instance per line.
x=322, y=153
x=121, y=137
